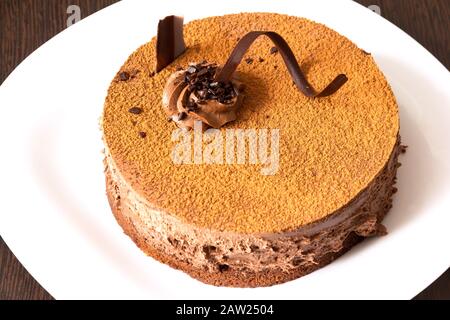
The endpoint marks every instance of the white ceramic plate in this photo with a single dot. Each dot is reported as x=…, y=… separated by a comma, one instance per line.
x=54, y=214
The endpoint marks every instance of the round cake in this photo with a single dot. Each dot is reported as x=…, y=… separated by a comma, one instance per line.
x=228, y=213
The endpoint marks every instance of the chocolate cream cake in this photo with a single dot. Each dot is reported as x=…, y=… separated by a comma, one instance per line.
x=318, y=100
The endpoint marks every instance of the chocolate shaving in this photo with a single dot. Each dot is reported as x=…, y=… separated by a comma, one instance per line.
x=200, y=79
x=135, y=110
x=169, y=41
x=288, y=56
x=124, y=76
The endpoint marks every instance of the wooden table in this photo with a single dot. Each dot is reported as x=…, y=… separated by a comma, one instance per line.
x=26, y=24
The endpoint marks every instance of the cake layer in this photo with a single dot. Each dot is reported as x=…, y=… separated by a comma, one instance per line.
x=330, y=149
x=250, y=260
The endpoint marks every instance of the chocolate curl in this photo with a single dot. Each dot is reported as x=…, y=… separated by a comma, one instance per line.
x=289, y=60
x=169, y=41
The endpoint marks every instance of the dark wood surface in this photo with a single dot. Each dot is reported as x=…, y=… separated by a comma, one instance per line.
x=26, y=24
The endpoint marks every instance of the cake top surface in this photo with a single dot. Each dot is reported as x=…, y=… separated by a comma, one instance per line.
x=330, y=148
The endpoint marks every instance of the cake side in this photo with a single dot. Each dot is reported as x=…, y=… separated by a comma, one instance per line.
x=250, y=260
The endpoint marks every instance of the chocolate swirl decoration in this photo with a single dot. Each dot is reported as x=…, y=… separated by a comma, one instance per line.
x=192, y=95
x=291, y=63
